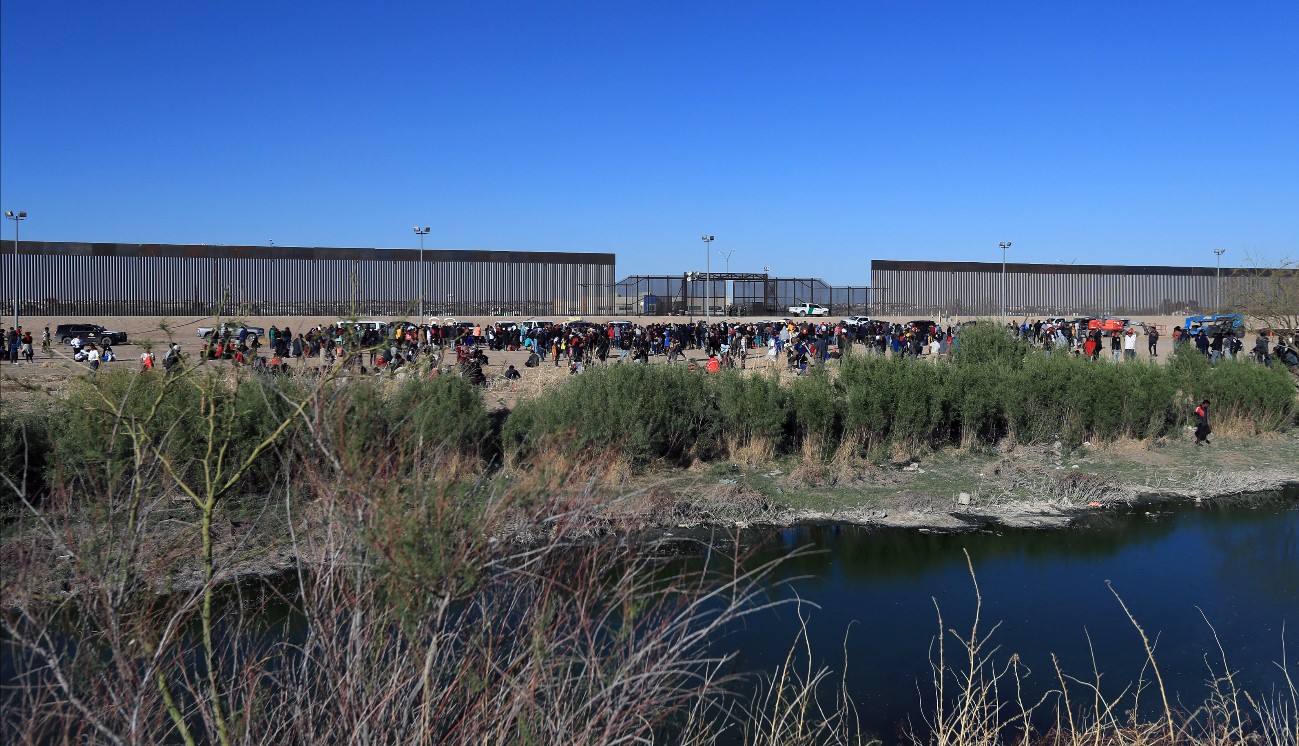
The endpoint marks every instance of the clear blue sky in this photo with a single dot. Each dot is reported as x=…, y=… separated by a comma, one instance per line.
x=811, y=137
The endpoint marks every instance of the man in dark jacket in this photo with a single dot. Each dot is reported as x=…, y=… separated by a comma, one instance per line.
x=1202, y=428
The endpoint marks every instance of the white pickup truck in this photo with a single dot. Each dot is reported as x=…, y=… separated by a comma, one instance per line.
x=809, y=309
x=232, y=327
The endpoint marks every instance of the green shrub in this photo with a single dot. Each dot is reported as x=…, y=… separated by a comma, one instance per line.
x=815, y=406
x=1248, y=392
x=24, y=448
x=645, y=411
x=1049, y=397
x=110, y=420
x=750, y=406
x=440, y=411
x=987, y=342
x=979, y=395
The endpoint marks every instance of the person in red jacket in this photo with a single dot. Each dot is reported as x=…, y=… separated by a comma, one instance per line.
x=1202, y=429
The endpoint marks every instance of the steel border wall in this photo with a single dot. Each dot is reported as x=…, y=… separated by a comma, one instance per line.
x=57, y=278
x=974, y=288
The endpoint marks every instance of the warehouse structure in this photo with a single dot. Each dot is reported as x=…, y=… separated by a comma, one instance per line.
x=196, y=280
x=954, y=289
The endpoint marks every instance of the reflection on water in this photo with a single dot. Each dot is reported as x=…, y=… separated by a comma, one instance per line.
x=1237, y=563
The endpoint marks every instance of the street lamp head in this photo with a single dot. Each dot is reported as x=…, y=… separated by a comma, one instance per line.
x=1220, y=252
x=707, y=237
x=1004, y=245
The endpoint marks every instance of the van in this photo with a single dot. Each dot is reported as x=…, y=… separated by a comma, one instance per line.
x=530, y=324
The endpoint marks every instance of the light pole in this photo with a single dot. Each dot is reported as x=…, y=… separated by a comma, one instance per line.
x=421, y=232
x=15, y=216
x=727, y=283
x=1004, y=245
x=708, y=273
x=1217, y=281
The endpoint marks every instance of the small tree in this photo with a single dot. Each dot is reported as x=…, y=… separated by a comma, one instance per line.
x=1271, y=295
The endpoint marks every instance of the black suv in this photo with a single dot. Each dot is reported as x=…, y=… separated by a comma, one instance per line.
x=89, y=333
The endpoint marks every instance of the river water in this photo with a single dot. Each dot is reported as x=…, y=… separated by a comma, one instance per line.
x=1237, y=563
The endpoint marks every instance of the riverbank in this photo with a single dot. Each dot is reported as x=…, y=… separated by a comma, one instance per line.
x=951, y=490
x=960, y=490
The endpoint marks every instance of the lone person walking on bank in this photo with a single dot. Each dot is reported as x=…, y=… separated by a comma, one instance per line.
x=1202, y=429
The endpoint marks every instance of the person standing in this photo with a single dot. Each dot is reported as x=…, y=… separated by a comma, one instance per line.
x=1115, y=346
x=1130, y=345
x=11, y=342
x=92, y=357
x=1152, y=341
x=1261, y=350
x=1215, y=347
x=27, y=346
x=46, y=346
x=1202, y=429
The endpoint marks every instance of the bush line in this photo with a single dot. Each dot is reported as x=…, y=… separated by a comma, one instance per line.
x=994, y=387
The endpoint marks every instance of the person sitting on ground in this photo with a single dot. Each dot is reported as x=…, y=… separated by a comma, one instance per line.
x=714, y=365
x=532, y=361
x=512, y=373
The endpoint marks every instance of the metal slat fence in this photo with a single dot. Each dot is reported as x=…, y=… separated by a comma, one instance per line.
x=159, y=280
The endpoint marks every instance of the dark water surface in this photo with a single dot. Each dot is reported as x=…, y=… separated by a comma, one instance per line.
x=1239, y=563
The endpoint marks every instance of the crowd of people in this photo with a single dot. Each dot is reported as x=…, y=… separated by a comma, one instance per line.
x=1078, y=338
x=792, y=344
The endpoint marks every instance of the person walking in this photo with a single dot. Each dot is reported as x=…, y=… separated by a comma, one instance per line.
x=1202, y=429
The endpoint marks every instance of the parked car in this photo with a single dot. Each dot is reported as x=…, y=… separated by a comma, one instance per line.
x=856, y=320
x=233, y=327
x=89, y=334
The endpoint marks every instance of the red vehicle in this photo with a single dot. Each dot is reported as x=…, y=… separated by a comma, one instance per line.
x=1108, y=325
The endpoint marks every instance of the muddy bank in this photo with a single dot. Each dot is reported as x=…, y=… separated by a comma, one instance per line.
x=966, y=511
x=1032, y=487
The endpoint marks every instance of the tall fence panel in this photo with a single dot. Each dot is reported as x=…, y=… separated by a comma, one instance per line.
x=62, y=279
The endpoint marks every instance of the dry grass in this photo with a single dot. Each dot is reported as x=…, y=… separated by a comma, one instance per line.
x=978, y=698
x=752, y=451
